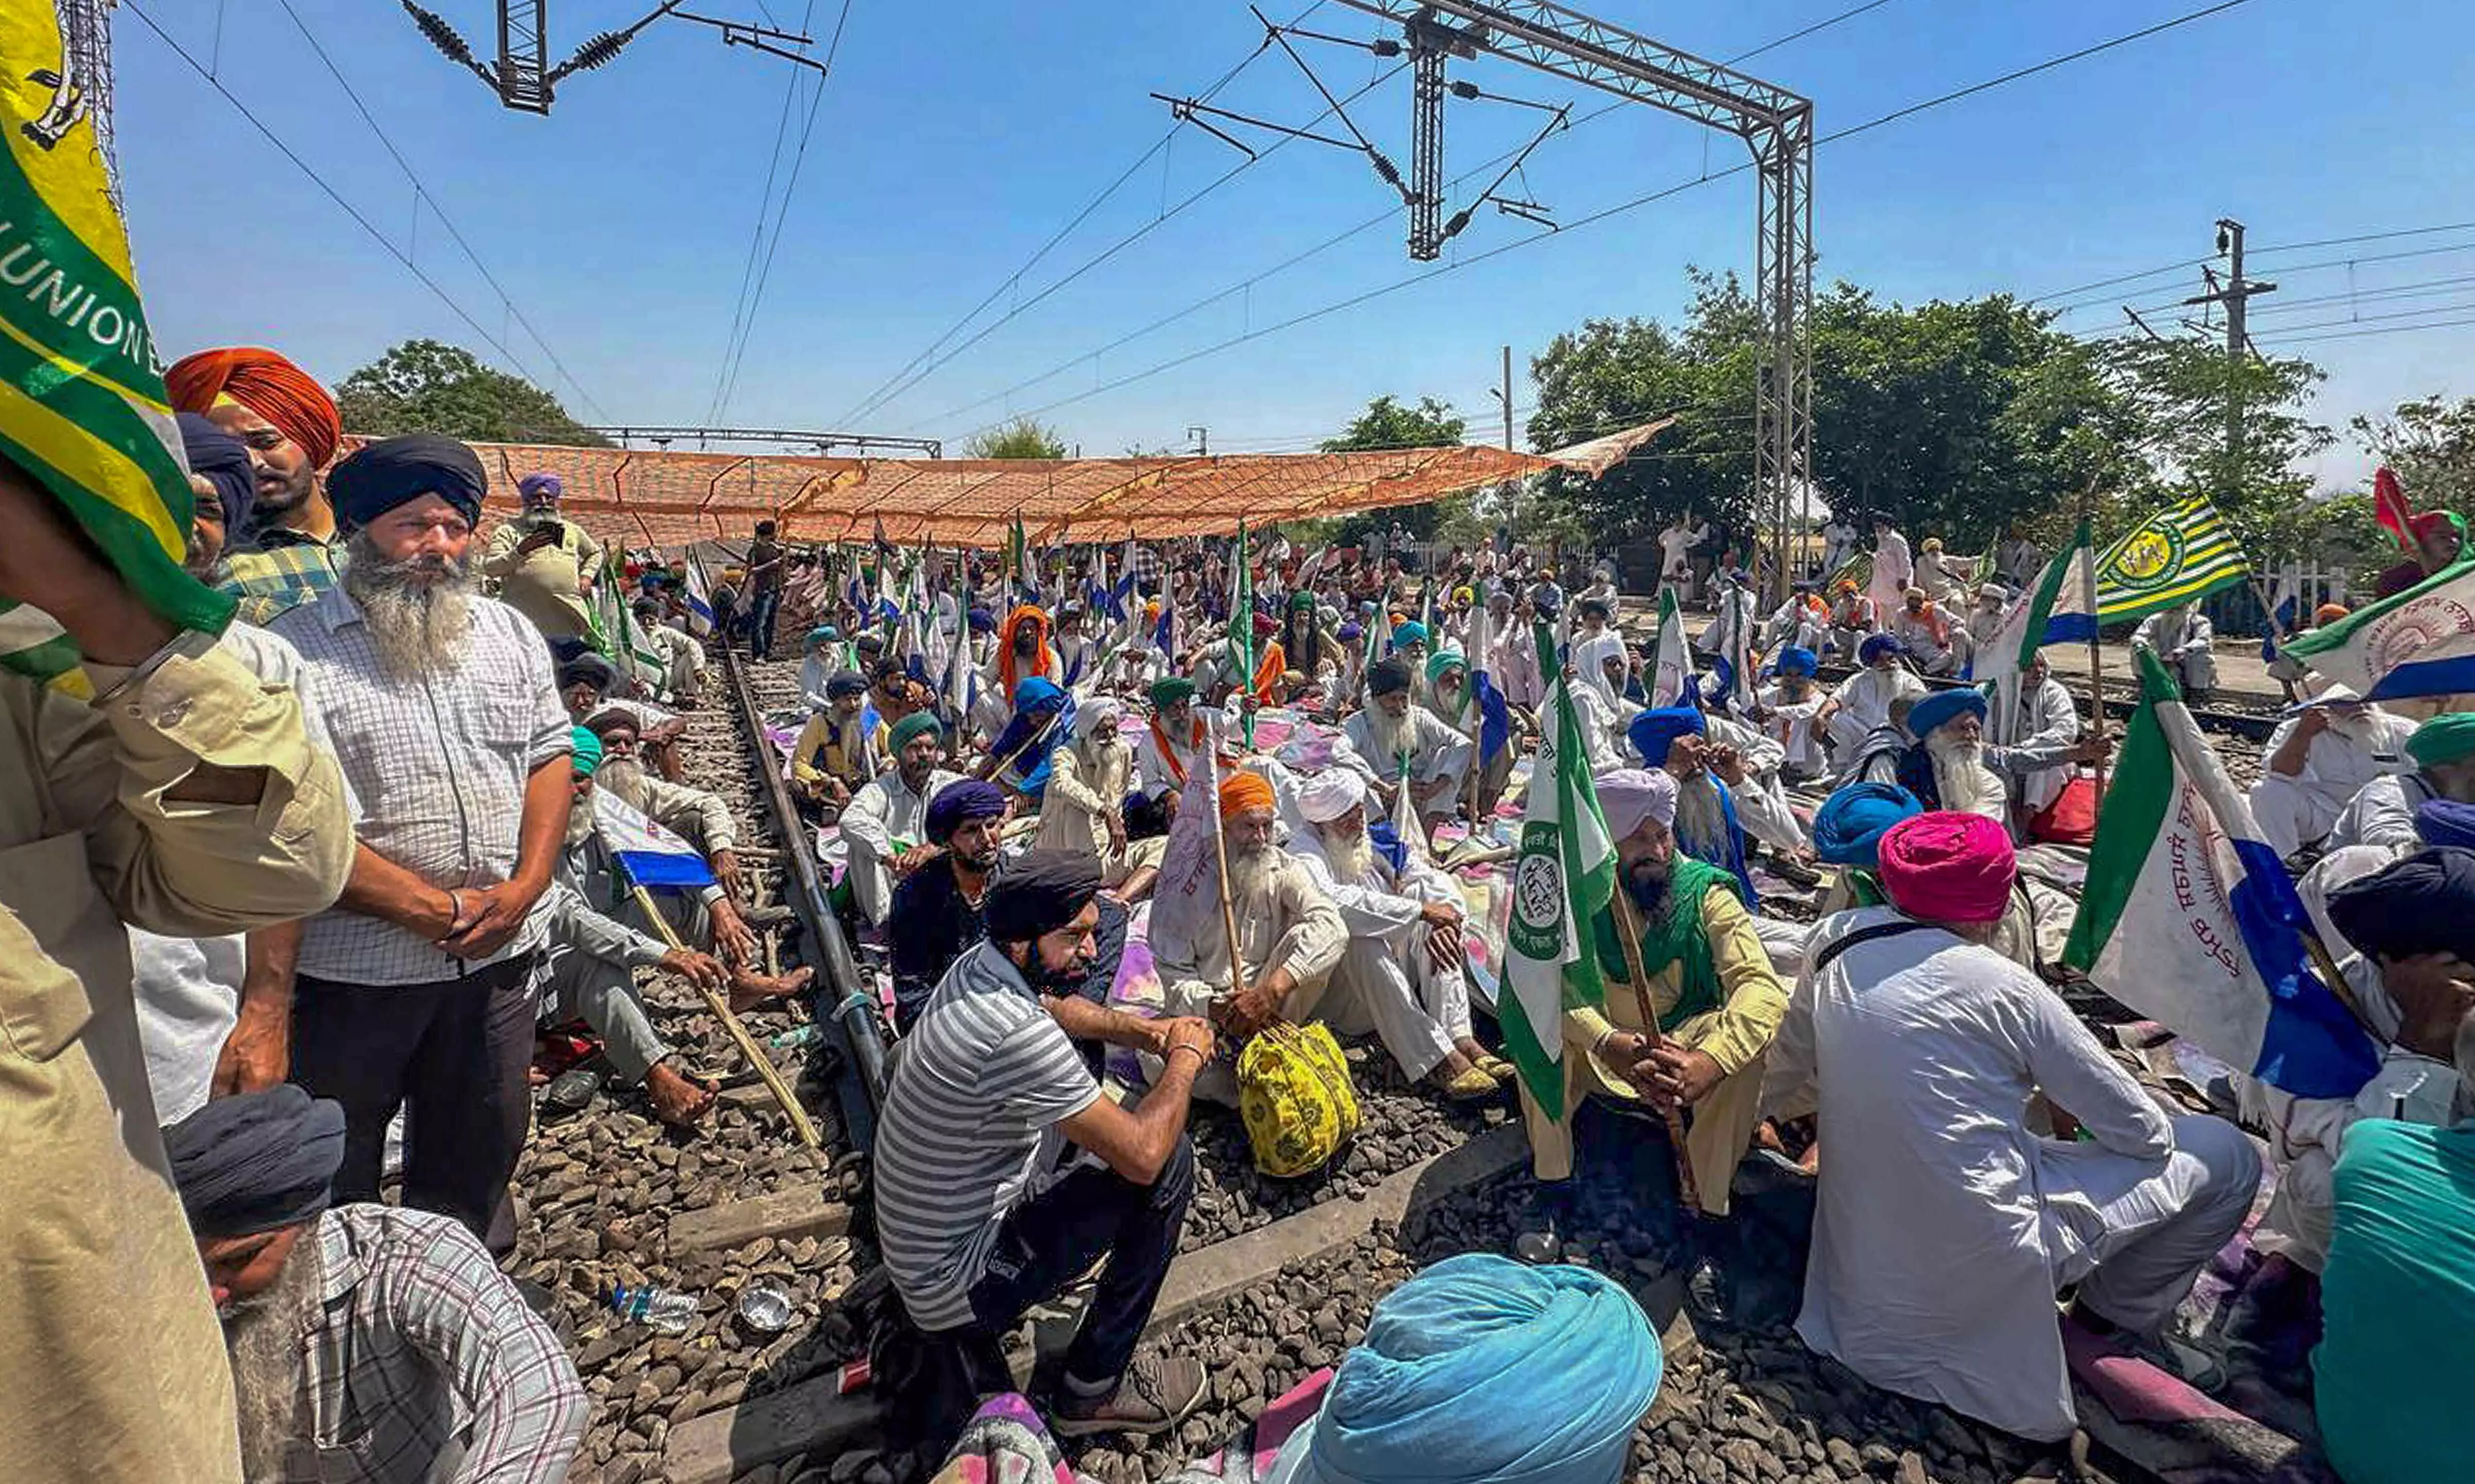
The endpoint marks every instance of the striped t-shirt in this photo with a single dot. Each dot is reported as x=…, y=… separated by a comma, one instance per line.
x=969, y=1126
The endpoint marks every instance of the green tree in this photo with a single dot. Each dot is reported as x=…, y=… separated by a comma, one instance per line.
x=2431, y=445
x=2179, y=390
x=1389, y=424
x=428, y=386
x=1021, y=438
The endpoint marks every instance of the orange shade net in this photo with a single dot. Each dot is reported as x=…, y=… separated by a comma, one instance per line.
x=670, y=499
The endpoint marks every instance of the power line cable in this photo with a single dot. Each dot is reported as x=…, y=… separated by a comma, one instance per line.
x=2109, y=301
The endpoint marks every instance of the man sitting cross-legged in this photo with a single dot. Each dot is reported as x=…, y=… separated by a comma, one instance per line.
x=975, y=1222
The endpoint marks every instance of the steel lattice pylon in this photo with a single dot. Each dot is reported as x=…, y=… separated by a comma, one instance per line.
x=1776, y=124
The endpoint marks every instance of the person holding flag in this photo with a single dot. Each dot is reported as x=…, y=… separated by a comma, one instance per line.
x=1404, y=745
x=1174, y=746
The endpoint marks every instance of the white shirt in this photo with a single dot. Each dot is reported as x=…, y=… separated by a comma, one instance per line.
x=1867, y=694
x=2336, y=766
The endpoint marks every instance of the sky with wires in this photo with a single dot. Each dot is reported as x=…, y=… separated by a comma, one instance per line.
x=980, y=212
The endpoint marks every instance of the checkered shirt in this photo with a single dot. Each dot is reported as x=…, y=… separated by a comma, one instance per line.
x=437, y=767
x=278, y=571
x=419, y=1340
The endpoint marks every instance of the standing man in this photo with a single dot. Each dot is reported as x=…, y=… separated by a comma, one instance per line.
x=1893, y=571
x=290, y=426
x=544, y=566
x=763, y=589
x=416, y=991
x=2182, y=636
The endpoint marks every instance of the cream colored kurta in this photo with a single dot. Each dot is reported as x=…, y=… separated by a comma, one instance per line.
x=1083, y=791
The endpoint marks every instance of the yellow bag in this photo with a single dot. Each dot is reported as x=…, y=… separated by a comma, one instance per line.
x=1294, y=1094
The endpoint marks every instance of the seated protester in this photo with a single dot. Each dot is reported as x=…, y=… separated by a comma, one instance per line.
x=1861, y=706
x=591, y=962
x=935, y=913
x=1946, y=768
x=2382, y=815
x=1289, y=936
x=974, y=1221
x=1410, y=646
x=1086, y=782
x=1313, y=650
x=2183, y=637
x=1946, y=1225
x=1852, y=620
x=835, y=755
x=1801, y=622
x=1761, y=800
x=697, y=816
x=1042, y=724
x=1707, y=827
x=891, y=698
x=1425, y=1396
x=2038, y=766
x=2414, y=924
x=681, y=655
x=1023, y=651
x=1174, y=744
x=1789, y=711
x=1129, y=873
x=367, y=1341
x=818, y=662
x=1847, y=830
x=1924, y=633
x=589, y=685
x=1712, y=988
x=1406, y=745
x=1076, y=652
x=2317, y=762
x=1404, y=973
x=1594, y=644
x=2392, y=1371
x=884, y=829
x=1448, y=679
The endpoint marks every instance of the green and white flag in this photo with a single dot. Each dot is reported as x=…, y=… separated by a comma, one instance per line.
x=1565, y=877
x=1242, y=626
x=1671, y=662
x=2173, y=557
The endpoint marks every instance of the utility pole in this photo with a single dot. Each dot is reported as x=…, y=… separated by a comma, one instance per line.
x=1511, y=487
x=2234, y=293
x=1508, y=399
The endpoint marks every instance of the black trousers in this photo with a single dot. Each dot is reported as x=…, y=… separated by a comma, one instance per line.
x=452, y=1056
x=1048, y=1241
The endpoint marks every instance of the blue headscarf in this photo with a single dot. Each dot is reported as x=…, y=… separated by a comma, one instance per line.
x=1796, y=659
x=1480, y=1368
x=1036, y=699
x=1849, y=823
x=1655, y=730
x=2445, y=822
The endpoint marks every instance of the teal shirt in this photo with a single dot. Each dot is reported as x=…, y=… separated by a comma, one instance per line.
x=2396, y=1362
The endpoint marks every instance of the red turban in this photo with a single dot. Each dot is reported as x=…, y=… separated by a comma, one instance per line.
x=266, y=384
x=1947, y=867
x=1244, y=791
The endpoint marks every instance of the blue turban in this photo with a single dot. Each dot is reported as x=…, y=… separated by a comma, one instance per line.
x=1849, y=823
x=255, y=1162
x=1796, y=660
x=1655, y=730
x=957, y=804
x=397, y=471
x=1875, y=646
x=983, y=621
x=1932, y=711
x=1349, y=632
x=1030, y=738
x=222, y=460
x=1408, y=632
x=2445, y=822
x=542, y=483
x=1482, y=1369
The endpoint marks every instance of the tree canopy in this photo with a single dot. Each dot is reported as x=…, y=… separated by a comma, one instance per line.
x=428, y=386
x=1021, y=438
x=1386, y=424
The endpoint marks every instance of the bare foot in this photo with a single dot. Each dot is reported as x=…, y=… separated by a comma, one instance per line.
x=748, y=990
x=677, y=1101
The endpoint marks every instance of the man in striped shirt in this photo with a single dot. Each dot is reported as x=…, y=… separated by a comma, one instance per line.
x=976, y=1222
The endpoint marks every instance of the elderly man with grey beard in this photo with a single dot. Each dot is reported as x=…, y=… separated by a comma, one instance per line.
x=368, y=1343
x=417, y=991
x=1946, y=767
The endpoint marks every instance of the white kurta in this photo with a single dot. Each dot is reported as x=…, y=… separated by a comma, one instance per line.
x=1086, y=782
x=1894, y=573
x=884, y=819
x=1156, y=768
x=1431, y=749
x=2295, y=810
x=1384, y=979
x=2381, y=814
x=2032, y=765
x=1865, y=700
x=1761, y=802
x=1791, y=726
x=2184, y=645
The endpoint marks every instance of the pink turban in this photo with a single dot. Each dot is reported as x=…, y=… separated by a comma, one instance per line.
x=1947, y=867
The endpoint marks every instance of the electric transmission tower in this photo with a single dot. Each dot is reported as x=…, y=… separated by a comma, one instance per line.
x=524, y=80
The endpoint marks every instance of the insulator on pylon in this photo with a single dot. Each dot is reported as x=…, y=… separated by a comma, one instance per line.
x=598, y=51
x=441, y=35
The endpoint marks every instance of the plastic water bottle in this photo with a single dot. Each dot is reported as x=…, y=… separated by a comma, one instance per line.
x=661, y=1309
x=792, y=1039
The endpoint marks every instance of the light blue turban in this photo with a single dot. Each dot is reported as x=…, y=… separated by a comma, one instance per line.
x=1480, y=1368
x=1848, y=827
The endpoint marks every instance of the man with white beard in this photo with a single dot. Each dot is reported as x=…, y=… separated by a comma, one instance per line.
x=1083, y=807
x=2317, y=761
x=1862, y=703
x=367, y=1341
x=1677, y=739
x=1406, y=745
x=1403, y=974
x=1947, y=767
x=2184, y=638
x=416, y=990
x=1289, y=936
x=2038, y=766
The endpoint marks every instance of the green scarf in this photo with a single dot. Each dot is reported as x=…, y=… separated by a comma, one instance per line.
x=1676, y=935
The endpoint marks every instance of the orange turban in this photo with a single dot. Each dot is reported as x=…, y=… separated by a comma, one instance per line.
x=1007, y=675
x=1244, y=791
x=266, y=384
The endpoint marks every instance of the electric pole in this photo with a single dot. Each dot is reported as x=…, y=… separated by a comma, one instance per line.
x=2234, y=293
x=1508, y=399
x=1511, y=487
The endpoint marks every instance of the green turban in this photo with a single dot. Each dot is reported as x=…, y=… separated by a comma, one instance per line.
x=2448, y=738
x=587, y=755
x=1302, y=601
x=909, y=727
x=1169, y=690
x=1442, y=662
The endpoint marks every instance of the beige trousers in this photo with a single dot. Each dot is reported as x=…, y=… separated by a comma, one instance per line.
x=1719, y=1128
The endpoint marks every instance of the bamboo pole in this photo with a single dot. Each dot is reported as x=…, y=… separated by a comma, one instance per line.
x=1629, y=936
x=1220, y=857
x=748, y=1047
x=2097, y=653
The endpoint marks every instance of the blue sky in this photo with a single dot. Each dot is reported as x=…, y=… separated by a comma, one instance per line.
x=954, y=138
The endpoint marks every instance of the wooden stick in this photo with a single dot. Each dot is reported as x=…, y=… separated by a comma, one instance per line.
x=1220, y=853
x=748, y=1047
x=1629, y=936
x=2096, y=654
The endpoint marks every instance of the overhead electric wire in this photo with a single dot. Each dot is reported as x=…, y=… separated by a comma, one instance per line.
x=2110, y=301
x=1852, y=131
x=2382, y=330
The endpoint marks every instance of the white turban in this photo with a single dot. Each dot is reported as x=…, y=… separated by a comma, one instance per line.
x=1329, y=795
x=1628, y=795
x=1099, y=718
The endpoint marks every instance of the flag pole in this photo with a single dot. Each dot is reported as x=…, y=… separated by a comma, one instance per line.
x=2097, y=653
x=1220, y=854
x=730, y=1022
x=1629, y=935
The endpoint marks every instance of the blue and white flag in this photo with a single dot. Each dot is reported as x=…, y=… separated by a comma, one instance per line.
x=699, y=599
x=2061, y=608
x=651, y=856
x=2420, y=642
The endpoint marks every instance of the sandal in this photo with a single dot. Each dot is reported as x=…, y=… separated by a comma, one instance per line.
x=1469, y=1086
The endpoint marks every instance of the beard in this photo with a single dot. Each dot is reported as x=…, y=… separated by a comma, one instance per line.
x=417, y=611
x=262, y=1339
x=1966, y=783
x=624, y=777
x=1646, y=882
x=580, y=822
x=1351, y=856
x=1250, y=873
x=1387, y=734
x=1699, y=817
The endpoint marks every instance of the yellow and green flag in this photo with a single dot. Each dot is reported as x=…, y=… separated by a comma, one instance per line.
x=81, y=402
x=2181, y=553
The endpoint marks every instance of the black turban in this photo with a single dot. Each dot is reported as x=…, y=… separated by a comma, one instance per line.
x=958, y=804
x=845, y=682
x=388, y=473
x=257, y=1161
x=1040, y=892
x=1385, y=677
x=591, y=668
x=2423, y=904
x=222, y=460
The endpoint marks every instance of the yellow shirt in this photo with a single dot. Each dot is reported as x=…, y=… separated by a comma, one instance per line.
x=1754, y=1001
